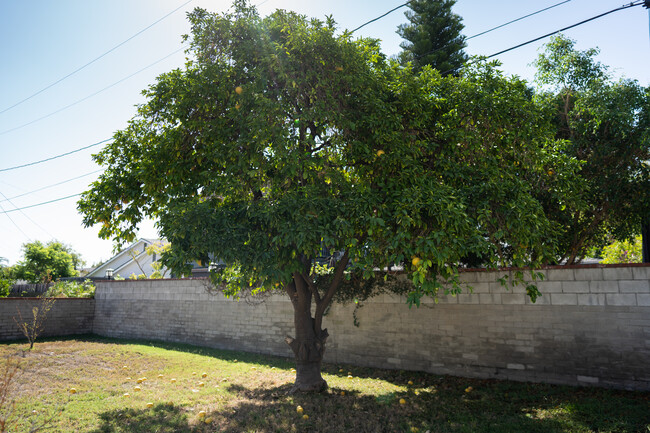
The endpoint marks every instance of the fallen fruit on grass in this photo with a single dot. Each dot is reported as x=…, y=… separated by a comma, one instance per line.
x=305, y=416
x=173, y=381
x=204, y=375
x=160, y=376
x=126, y=394
x=350, y=377
x=469, y=389
x=402, y=401
x=299, y=409
x=73, y=391
x=208, y=420
x=201, y=383
x=201, y=414
x=137, y=388
x=194, y=373
x=149, y=404
x=125, y=368
x=139, y=380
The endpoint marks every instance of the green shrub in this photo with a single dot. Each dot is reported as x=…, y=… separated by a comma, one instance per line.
x=629, y=251
x=5, y=286
x=71, y=289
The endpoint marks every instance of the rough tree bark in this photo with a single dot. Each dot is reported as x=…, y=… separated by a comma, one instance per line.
x=308, y=346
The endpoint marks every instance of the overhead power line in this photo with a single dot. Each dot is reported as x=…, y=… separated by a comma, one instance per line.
x=26, y=216
x=517, y=19
x=56, y=156
x=2, y=210
x=50, y=186
x=94, y=60
x=633, y=4
x=638, y=3
x=498, y=27
x=381, y=16
x=39, y=204
x=91, y=95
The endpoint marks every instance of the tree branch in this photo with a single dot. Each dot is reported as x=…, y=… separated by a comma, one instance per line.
x=312, y=287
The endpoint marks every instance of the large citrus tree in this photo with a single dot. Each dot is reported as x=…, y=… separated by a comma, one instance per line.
x=280, y=140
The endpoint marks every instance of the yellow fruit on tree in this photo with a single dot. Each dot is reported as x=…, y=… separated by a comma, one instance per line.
x=416, y=261
x=380, y=152
x=410, y=382
x=402, y=401
x=299, y=409
x=238, y=90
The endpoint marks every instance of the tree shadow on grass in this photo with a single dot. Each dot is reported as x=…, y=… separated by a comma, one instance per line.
x=271, y=410
x=160, y=419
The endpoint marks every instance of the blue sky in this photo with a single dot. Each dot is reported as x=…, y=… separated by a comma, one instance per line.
x=45, y=40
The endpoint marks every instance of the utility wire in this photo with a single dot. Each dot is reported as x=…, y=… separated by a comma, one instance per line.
x=497, y=27
x=91, y=95
x=517, y=19
x=639, y=3
x=2, y=210
x=50, y=186
x=94, y=60
x=633, y=4
x=56, y=156
x=39, y=204
x=381, y=16
x=26, y=216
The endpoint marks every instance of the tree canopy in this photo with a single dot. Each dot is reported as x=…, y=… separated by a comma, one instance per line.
x=433, y=36
x=606, y=124
x=280, y=139
x=43, y=263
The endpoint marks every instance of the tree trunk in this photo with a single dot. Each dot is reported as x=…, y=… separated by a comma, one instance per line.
x=309, y=345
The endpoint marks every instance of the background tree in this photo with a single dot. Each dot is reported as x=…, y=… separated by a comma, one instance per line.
x=280, y=138
x=607, y=127
x=433, y=36
x=46, y=262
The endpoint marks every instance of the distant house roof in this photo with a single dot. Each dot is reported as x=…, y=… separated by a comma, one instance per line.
x=124, y=259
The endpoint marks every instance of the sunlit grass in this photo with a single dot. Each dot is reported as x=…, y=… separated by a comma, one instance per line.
x=249, y=393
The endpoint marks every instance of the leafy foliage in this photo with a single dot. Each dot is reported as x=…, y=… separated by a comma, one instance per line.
x=43, y=263
x=606, y=124
x=71, y=289
x=627, y=251
x=433, y=36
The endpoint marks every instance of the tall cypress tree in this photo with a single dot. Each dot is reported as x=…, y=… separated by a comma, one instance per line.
x=433, y=36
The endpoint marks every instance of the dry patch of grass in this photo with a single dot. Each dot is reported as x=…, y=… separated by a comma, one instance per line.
x=190, y=389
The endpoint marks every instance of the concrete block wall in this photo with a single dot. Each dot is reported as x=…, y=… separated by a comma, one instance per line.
x=590, y=327
x=67, y=317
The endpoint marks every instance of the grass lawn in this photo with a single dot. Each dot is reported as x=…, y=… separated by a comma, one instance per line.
x=244, y=392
